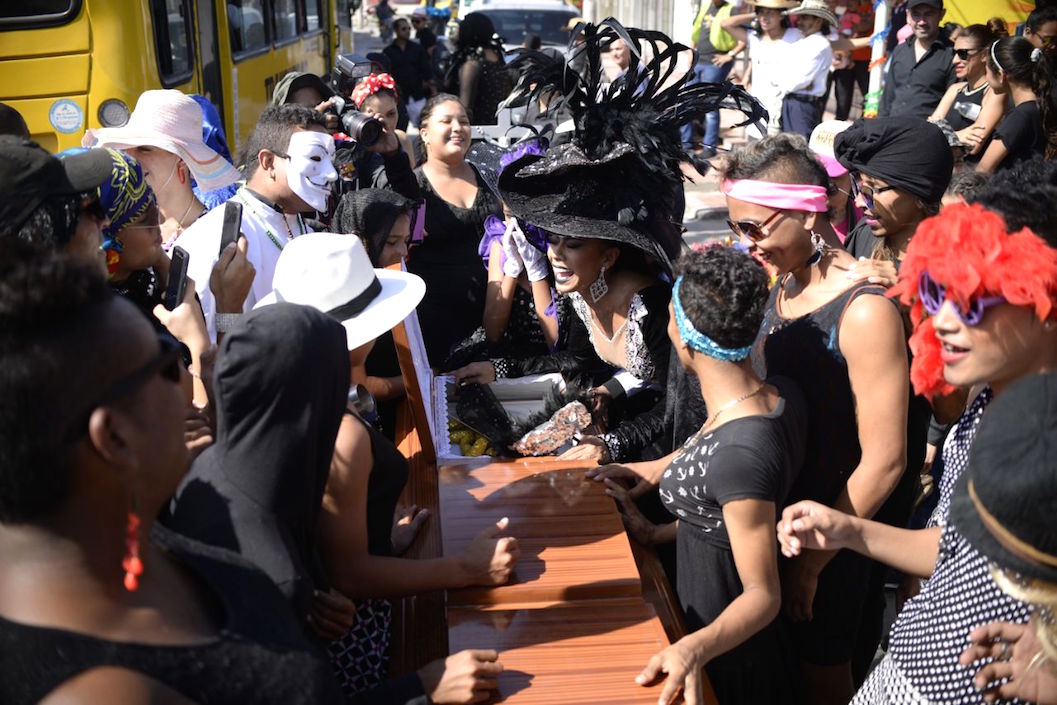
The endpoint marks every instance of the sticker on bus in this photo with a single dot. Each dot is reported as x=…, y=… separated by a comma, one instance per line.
x=66, y=116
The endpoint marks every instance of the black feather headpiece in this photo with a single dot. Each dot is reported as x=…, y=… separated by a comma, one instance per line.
x=619, y=178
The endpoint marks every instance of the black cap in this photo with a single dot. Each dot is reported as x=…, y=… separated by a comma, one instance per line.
x=1005, y=501
x=29, y=174
x=938, y=4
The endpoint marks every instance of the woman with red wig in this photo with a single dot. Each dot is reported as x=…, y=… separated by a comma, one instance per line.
x=984, y=309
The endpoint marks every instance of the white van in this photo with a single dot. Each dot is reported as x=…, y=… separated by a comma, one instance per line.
x=513, y=19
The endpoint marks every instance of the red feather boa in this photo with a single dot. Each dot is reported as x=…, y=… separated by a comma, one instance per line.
x=967, y=249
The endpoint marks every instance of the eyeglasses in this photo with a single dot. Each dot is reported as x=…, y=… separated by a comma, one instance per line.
x=1047, y=40
x=152, y=218
x=167, y=363
x=933, y=294
x=751, y=229
x=964, y=54
x=868, y=193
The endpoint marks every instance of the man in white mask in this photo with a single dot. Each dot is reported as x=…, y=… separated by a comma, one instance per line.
x=289, y=169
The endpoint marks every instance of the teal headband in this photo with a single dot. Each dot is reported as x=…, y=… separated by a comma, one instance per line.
x=698, y=340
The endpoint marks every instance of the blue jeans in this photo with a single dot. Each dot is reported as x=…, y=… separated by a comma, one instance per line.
x=706, y=72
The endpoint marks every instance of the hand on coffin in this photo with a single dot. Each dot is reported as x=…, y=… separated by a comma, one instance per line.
x=489, y=560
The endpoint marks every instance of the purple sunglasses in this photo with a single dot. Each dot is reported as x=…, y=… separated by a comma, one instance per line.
x=933, y=294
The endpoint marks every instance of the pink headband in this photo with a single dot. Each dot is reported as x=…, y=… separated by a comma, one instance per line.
x=792, y=197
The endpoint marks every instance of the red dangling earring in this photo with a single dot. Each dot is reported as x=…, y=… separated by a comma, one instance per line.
x=131, y=562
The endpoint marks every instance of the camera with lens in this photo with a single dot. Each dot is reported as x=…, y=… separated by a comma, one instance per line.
x=363, y=129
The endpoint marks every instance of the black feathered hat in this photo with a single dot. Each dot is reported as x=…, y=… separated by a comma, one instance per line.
x=619, y=177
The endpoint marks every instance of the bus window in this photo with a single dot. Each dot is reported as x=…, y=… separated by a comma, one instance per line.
x=172, y=36
x=345, y=10
x=313, y=15
x=284, y=18
x=41, y=13
x=246, y=19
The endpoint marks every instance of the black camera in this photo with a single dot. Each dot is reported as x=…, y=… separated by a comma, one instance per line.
x=363, y=129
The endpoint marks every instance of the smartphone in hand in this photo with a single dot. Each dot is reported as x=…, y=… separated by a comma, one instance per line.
x=229, y=233
x=174, y=292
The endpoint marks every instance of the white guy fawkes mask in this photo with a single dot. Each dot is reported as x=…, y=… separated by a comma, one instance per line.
x=311, y=168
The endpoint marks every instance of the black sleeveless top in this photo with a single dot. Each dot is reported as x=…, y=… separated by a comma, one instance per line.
x=384, y=485
x=962, y=114
x=807, y=350
x=258, y=656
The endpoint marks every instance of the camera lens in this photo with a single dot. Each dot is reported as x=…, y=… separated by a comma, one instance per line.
x=363, y=129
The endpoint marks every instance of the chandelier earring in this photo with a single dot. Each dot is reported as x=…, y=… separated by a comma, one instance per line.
x=599, y=287
x=818, y=245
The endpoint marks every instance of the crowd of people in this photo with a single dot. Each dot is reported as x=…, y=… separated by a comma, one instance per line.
x=199, y=482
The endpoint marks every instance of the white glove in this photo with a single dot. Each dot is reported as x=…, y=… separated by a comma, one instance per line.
x=536, y=262
x=512, y=264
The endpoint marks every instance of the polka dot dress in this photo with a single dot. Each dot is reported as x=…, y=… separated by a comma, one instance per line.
x=932, y=631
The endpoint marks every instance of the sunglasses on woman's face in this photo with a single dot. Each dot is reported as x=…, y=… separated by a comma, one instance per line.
x=933, y=294
x=751, y=229
x=965, y=54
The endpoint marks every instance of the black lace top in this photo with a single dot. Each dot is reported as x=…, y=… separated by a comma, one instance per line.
x=259, y=655
x=647, y=349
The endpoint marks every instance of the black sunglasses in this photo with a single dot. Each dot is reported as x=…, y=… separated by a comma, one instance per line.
x=167, y=363
x=964, y=54
x=751, y=229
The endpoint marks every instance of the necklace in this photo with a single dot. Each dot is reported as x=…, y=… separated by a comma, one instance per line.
x=728, y=406
x=598, y=328
x=272, y=236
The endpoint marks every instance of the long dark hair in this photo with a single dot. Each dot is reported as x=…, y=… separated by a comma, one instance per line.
x=1023, y=64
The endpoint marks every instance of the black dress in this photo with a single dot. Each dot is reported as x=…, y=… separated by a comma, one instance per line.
x=259, y=655
x=448, y=261
x=807, y=350
x=754, y=457
x=637, y=422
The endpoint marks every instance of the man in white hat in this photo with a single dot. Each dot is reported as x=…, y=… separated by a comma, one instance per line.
x=922, y=67
x=289, y=169
x=803, y=82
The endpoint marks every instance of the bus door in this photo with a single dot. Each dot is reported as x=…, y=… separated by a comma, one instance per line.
x=209, y=56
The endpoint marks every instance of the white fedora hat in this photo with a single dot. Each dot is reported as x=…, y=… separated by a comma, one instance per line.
x=169, y=120
x=333, y=273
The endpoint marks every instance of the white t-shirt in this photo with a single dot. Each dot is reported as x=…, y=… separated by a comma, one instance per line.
x=267, y=231
x=769, y=63
x=807, y=67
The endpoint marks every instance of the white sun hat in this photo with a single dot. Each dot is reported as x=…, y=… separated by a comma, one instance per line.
x=172, y=121
x=333, y=273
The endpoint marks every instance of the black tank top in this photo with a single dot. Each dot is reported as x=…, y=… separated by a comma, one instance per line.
x=966, y=107
x=384, y=485
x=258, y=656
x=807, y=350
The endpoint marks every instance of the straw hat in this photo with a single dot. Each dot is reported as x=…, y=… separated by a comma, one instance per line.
x=334, y=274
x=816, y=8
x=169, y=120
x=773, y=4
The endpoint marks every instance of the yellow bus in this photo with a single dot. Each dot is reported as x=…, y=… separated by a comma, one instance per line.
x=68, y=65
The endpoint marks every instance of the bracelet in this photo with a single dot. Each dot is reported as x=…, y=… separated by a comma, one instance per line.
x=226, y=321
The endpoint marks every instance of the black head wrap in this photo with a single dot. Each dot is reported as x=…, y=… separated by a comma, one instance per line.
x=909, y=153
x=370, y=214
x=282, y=380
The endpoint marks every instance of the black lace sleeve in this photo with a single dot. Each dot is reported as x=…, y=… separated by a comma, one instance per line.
x=627, y=440
x=576, y=362
x=393, y=172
